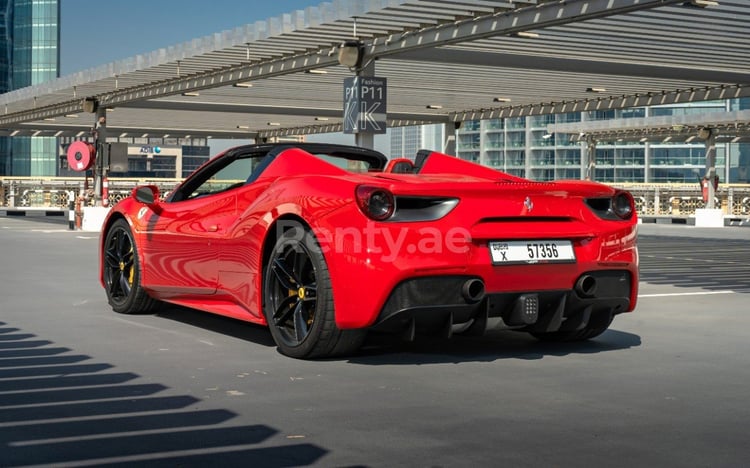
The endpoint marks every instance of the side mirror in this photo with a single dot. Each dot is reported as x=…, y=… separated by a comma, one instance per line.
x=148, y=195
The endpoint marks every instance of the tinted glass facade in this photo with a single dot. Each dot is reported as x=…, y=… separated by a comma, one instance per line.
x=6, y=51
x=406, y=141
x=193, y=157
x=521, y=146
x=29, y=47
x=6, y=28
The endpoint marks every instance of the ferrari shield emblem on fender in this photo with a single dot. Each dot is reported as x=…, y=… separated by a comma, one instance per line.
x=528, y=204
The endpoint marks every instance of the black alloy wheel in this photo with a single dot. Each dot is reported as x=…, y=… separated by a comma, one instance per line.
x=298, y=300
x=122, y=276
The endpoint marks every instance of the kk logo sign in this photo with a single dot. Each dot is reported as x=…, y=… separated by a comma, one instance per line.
x=365, y=99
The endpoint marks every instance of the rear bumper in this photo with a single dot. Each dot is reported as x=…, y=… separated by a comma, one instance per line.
x=434, y=305
x=372, y=265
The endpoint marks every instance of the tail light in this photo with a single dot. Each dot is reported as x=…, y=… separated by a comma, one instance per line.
x=375, y=202
x=620, y=206
x=623, y=205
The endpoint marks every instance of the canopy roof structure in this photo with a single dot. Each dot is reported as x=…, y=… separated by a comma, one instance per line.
x=445, y=61
x=727, y=127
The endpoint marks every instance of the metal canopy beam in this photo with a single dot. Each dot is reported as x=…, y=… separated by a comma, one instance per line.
x=472, y=28
x=176, y=86
x=80, y=130
x=331, y=128
x=547, y=63
x=506, y=23
x=270, y=110
x=728, y=127
x=678, y=96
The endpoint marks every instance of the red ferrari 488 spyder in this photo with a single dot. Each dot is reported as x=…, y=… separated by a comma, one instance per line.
x=324, y=242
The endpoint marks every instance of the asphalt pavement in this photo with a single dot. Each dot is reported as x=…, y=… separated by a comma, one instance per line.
x=684, y=230
x=80, y=385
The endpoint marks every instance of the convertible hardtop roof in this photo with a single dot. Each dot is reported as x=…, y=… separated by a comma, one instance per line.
x=375, y=159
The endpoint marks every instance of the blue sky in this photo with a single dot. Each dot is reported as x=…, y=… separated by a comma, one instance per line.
x=132, y=27
x=95, y=33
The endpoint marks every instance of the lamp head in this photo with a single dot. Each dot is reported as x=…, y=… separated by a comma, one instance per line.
x=704, y=133
x=351, y=53
x=90, y=104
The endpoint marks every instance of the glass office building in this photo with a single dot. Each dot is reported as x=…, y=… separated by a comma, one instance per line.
x=406, y=141
x=6, y=52
x=521, y=146
x=29, y=48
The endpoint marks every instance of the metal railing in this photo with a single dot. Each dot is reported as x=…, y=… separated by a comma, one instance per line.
x=681, y=200
x=675, y=200
x=20, y=193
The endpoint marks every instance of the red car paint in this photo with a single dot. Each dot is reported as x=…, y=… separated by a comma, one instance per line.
x=208, y=252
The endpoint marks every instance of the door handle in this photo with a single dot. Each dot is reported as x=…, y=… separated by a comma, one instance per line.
x=213, y=228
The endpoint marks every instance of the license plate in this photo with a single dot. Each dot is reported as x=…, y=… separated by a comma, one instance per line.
x=532, y=251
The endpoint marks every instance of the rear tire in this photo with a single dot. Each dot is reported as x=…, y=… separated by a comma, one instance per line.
x=122, y=272
x=298, y=300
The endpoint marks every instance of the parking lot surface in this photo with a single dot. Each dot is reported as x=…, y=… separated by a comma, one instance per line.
x=81, y=385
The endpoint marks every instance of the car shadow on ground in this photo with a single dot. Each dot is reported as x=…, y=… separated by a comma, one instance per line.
x=235, y=328
x=380, y=348
x=494, y=345
x=61, y=408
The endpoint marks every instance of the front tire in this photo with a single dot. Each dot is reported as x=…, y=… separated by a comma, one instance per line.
x=298, y=300
x=122, y=272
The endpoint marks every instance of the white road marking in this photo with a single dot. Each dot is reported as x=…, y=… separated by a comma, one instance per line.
x=701, y=293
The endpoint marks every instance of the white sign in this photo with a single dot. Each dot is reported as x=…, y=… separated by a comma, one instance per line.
x=532, y=251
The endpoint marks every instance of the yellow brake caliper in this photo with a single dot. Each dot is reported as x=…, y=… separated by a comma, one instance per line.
x=302, y=294
x=131, y=273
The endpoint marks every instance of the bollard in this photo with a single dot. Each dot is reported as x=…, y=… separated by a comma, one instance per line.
x=71, y=215
x=105, y=192
x=78, y=214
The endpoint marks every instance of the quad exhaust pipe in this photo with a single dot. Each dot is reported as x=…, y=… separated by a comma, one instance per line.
x=473, y=290
x=586, y=286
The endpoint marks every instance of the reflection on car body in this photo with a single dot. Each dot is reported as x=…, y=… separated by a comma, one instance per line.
x=324, y=242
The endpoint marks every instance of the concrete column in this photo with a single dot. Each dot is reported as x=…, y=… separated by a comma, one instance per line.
x=365, y=140
x=527, y=151
x=589, y=158
x=102, y=152
x=505, y=145
x=449, y=142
